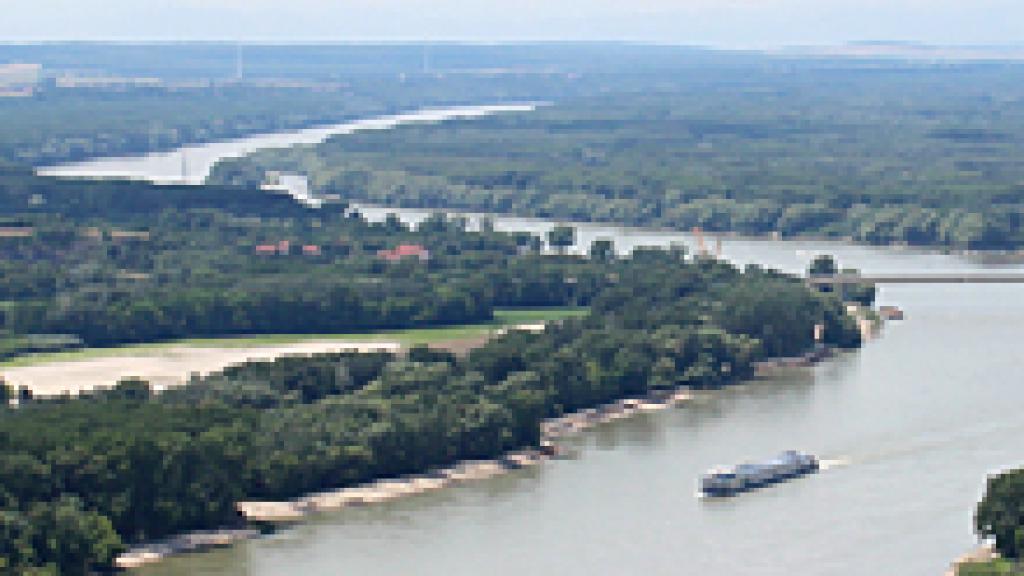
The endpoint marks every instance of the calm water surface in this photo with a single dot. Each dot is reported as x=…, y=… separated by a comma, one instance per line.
x=914, y=421
x=192, y=164
x=916, y=418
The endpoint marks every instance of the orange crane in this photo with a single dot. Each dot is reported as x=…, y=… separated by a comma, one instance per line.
x=702, y=250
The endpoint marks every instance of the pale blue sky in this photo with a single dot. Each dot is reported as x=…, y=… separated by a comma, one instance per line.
x=729, y=23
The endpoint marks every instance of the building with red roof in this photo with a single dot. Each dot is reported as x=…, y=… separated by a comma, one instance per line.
x=405, y=251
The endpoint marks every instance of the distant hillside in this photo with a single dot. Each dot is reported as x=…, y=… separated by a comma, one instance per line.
x=909, y=51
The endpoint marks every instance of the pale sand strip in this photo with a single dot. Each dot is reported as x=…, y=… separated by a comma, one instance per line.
x=165, y=366
x=983, y=553
x=388, y=489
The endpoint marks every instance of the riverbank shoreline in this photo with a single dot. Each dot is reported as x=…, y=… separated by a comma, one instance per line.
x=168, y=167
x=270, y=514
x=983, y=553
x=42, y=169
x=278, y=513
x=925, y=249
x=315, y=133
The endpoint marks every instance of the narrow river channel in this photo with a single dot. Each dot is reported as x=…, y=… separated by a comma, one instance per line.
x=912, y=423
x=192, y=164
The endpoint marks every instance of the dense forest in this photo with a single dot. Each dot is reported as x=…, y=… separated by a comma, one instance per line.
x=913, y=154
x=67, y=125
x=60, y=125
x=83, y=476
x=879, y=152
x=130, y=262
x=95, y=99
x=875, y=151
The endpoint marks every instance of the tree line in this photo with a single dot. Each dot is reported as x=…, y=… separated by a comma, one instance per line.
x=83, y=477
x=131, y=262
x=871, y=157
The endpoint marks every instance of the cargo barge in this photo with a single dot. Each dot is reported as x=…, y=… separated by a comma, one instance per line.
x=751, y=476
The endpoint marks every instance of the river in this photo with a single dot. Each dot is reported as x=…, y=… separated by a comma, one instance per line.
x=192, y=164
x=914, y=420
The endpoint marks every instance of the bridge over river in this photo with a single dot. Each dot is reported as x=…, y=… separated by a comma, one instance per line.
x=938, y=278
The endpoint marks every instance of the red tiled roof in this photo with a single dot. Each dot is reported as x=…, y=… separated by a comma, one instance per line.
x=403, y=251
x=410, y=250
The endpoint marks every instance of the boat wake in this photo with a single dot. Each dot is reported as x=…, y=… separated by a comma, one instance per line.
x=830, y=463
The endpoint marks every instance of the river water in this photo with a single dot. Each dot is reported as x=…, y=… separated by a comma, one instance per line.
x=192, y=164
x=912, y=423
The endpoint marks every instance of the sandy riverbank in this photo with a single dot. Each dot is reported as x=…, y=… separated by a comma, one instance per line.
x=168, y=366
x=163, y=367
x=384, y=490
x=983, y=553
x=389, y=489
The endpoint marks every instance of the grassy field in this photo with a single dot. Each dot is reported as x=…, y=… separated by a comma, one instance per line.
x=993, y=568
x=409, y=337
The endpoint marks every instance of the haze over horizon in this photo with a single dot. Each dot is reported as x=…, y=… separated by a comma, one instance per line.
x=712, y=23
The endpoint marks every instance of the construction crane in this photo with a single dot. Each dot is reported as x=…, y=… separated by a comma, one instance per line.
x=184, y=167
x=702, y=250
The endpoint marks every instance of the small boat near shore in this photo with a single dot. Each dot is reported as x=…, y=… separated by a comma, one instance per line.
x=749, y=476
x=890, y=313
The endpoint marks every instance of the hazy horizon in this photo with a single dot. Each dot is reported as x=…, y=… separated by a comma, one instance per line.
x=705, y=23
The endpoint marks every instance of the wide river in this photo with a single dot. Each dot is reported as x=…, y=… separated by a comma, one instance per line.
x=917, y=418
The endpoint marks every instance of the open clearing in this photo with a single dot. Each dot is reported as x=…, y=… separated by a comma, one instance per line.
x=171, y=363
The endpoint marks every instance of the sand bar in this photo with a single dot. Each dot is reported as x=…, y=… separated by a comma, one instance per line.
x=165, y=366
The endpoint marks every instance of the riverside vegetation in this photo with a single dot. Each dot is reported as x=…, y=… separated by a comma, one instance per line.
x=990, y=568
x=114, y=263
x=62, y=125
x=1000, y=517
x=105, y=99
x=879, y=152
x=82, y=477
x=918, y=155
